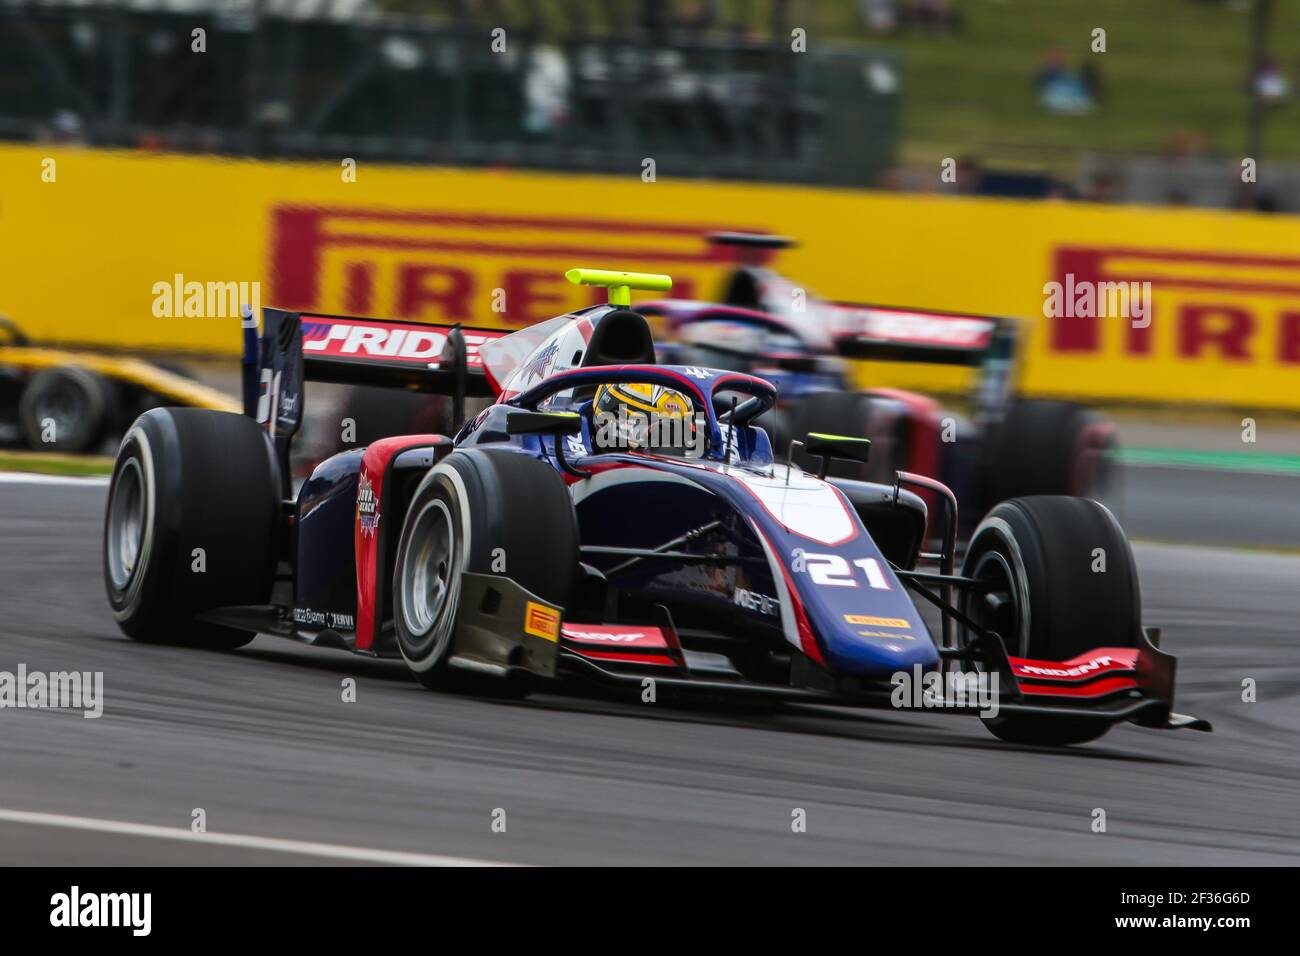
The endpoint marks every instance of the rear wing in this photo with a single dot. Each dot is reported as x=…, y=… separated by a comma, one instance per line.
x=895, y=334
x=298, y=347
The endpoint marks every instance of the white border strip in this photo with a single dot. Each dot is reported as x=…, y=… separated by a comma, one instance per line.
x=330, y=851
x=37, y=478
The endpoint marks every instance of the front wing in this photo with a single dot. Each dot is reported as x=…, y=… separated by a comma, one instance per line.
x=513, y=633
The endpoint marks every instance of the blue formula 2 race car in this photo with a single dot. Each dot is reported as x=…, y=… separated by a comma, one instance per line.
x=616, y=521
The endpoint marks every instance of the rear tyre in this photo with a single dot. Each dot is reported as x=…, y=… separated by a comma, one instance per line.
x=191, y=525
x=64, y=409
x=1050, y=448
x=1050, y=603
x=474, y=508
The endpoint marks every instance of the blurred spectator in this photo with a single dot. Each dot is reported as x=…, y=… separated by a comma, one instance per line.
x=1102, y=187
x=1051, y=70
x=1268, y=82
x=779, y=20
x=890, y=180
x=970, y=176
x=1252, y=197
x=698, y=15
x=927, y=16
x=1023, y=184
x=1267, y=202
x=880, y=16
x=65, y=128
x=152, y=142
x=68, y=129
x=1090, y=77
x=1055, y=189
x=1185, y=144
x=934, y=16
x=546, y=90
x=1059, y=88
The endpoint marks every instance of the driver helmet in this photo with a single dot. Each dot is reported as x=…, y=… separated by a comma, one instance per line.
x=640, y=415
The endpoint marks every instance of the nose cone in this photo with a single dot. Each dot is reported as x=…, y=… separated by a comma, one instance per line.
x=878, y=652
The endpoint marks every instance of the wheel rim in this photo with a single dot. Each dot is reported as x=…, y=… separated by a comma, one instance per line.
x=126, y=512
x=63, y=404
x=998, y=608
x=427, y=574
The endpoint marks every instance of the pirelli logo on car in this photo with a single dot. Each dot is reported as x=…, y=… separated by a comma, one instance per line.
x=542, y=621
x=865, y=620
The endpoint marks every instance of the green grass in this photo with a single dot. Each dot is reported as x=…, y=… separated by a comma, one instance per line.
x=1171, y=66
x=47, y=464
x=1211, y=460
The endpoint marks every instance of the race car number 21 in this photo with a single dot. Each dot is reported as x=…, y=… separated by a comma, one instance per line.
x=831, y=570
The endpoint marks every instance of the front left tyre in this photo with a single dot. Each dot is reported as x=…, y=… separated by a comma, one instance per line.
x=191, y=525
x=1059, y=580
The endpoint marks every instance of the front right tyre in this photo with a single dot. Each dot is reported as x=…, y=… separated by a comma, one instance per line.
x=484, y=512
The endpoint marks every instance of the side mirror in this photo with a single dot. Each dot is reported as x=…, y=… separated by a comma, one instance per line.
x=549, y=423
x=843, y=447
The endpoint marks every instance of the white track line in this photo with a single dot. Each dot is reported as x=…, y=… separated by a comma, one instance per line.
x=36, y=478
x=330, y=851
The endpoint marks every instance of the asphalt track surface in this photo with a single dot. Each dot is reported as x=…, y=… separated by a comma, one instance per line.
x=1215, y=508
x=287, y=773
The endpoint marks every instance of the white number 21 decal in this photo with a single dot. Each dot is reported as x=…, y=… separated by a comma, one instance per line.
x=831, y=570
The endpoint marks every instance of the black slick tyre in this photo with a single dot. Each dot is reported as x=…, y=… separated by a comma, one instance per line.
x=191, y=525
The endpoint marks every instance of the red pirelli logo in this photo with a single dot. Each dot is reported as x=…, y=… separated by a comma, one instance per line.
x=541, y=621
x=1222, y=305
x=444, y=267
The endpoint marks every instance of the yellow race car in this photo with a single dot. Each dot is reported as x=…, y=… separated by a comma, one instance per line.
x=72, y=402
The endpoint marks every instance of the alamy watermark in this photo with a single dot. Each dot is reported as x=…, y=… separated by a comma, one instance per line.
x=924, y=690
x=182, y=299
x=133, y=911
x=652, y=431
x=56, y=690
x=1085, y=299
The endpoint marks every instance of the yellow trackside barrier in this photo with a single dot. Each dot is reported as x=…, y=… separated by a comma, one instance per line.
x=84, y=255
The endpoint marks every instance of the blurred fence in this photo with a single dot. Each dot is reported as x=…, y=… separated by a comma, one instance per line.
x=271, y=82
